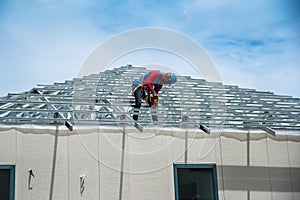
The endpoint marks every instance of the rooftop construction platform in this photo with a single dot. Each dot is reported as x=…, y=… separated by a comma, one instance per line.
x=106, y=99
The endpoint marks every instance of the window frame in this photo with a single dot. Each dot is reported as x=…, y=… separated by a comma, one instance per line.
x=11, y=169
x=210, y=166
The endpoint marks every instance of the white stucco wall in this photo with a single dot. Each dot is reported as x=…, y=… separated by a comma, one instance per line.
x=266, y=169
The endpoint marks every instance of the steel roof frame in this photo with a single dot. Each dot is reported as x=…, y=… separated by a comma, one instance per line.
x=103, y=98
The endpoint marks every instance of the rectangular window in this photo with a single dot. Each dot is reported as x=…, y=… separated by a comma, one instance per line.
x=195, y=182
x=7, y=182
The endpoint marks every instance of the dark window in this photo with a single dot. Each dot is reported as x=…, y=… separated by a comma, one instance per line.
x=195, y=182
x=7, y=182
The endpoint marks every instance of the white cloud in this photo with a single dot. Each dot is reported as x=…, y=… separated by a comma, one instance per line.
x=252, y=43
x=38, y=49
x=266, y=72
x=46, y=41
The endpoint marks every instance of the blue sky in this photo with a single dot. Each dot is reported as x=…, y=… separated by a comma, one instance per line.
x=254, y=44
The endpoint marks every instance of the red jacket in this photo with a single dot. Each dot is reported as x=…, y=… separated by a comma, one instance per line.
x=151, y=80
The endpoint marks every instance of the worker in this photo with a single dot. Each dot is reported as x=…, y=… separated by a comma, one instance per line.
x=151, y=83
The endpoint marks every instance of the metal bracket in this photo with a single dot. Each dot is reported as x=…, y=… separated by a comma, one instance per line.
x=29, y=178
x=69, y=125
x=82, y=180
x=259, y=126
x=205, y=129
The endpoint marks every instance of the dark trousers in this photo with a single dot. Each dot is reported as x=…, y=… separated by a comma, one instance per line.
x=138, y=95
